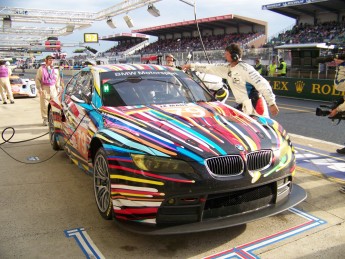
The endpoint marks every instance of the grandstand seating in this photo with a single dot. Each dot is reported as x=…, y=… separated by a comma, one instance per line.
x=307, y=33
x=214, y=42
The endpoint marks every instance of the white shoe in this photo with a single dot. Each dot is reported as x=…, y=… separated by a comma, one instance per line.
x=45, y=122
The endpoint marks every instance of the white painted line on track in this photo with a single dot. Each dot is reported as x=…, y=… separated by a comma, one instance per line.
x=246, y=251
x=84, y=241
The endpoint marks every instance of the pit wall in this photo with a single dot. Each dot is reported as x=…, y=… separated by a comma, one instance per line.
x=302, y=88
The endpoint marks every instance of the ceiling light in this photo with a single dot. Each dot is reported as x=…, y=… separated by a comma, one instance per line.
x=153, y=10
x=129, y=21
x=70, y=28
x=110, y=23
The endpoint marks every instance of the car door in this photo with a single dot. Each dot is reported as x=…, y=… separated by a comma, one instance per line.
x=76, y=109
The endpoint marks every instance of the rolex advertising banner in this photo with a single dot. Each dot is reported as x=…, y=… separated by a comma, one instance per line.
x=303, y=88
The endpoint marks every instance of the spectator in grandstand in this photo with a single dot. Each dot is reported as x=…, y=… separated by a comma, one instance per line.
x=169, y=60
x=258, y=66
x=339, y=84
x=246, y=84
x=272, y=68
x=48, y=84
x=282, y=69
x=5, y=85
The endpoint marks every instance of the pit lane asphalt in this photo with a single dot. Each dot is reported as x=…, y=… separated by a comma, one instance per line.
x=48, y=208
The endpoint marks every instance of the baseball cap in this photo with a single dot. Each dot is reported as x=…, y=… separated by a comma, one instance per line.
x=49, y=57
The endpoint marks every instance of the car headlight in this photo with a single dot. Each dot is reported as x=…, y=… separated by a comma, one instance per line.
x=161, y=164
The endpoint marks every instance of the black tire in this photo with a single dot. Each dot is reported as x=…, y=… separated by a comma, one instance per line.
x=52, y=134
x=102, y=184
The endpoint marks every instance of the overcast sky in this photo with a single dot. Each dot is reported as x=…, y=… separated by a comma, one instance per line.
x=171, y=11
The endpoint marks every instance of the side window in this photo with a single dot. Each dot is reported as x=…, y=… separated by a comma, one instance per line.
x=80, y=86
x=71, y=84
x=86, y=86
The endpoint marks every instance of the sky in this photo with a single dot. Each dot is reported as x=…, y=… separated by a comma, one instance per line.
x=171, y=11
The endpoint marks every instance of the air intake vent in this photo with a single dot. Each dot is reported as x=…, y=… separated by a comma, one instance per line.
x=225, y=165
x=259, y=160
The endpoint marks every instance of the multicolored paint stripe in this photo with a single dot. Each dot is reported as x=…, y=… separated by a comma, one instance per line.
x=192, y=131
x=246, y=251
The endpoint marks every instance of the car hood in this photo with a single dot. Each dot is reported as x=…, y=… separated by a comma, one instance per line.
x=195, y=130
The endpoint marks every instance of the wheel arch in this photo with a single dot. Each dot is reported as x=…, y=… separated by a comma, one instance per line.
x=95, y=144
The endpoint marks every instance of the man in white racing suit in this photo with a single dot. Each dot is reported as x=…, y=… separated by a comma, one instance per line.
x=246, y=84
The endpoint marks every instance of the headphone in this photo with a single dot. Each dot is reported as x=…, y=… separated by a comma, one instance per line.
x=234, y=55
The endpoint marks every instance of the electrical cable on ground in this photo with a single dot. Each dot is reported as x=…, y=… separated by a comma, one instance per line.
x=27, y=140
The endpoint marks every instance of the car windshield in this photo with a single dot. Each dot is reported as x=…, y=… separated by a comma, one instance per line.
x=15, y=81
x=145, y=88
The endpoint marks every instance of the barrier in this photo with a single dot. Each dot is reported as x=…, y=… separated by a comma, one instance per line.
x=303, y=88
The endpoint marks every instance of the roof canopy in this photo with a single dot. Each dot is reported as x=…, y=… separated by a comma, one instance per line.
x=125, y=36
x=210, y=23
x=298, y=8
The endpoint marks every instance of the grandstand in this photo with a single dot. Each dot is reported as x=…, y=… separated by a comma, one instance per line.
x=319, y=23
x=182, y=37
x=128, y=43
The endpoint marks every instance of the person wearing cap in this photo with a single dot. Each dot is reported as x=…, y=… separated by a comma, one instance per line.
x=169, y=60
x=48, y=84
x=5, y=85
x=282, y=67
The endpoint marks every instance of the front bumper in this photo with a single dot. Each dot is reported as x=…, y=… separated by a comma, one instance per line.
x=296, y=196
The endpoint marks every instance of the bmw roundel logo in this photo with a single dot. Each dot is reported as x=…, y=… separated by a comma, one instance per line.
x=239, y=147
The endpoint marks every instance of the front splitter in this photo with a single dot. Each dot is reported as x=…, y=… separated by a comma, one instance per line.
x=297, y=195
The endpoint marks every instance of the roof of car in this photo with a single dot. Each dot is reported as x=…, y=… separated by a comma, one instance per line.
x=123, y=67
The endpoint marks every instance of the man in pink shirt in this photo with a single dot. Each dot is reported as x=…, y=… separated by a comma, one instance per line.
x=47, y=83
x=5, y=85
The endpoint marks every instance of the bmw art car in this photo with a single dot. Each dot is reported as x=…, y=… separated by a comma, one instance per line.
x=23, y=87
x=165, y=156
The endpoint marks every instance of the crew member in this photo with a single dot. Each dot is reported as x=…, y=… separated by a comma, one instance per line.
x=339, y=84
x=48, y=84
x=5, y=85
x=247, y=85
x=272, y=68
x=258, y=66
x=169, y=60
x=282, y=67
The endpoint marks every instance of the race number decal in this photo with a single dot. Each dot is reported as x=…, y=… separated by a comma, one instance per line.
x=186, y=111
x=82, y=142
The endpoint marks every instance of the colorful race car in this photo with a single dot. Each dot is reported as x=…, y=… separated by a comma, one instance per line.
x=165, y=156
x=23, y=87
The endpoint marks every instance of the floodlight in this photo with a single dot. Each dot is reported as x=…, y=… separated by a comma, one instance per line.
x=111, y=23
x=153, y=10
x=129, y=21
x=70, y=28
